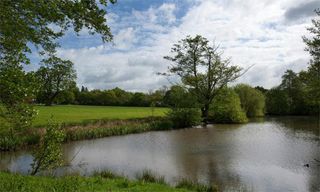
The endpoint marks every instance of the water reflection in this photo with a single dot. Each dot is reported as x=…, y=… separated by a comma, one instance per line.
x=264, y=155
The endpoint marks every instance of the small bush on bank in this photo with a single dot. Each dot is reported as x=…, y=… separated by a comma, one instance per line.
x=185, y=117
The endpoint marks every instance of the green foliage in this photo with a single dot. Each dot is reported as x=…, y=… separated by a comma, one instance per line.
x=118, y=97
x=185, y=117
x=26, y=23
x=17, y=89
x=292, y=97
x=55, y=75
x=311, y=77
x=49, y=153
x=252, y=100
x=277, y=102
x=226, y=108
x=201, y=68
x=178, y=97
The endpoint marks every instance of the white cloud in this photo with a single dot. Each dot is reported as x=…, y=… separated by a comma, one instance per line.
x=251, y=32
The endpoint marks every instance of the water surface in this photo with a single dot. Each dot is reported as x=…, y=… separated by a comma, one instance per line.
x=264, y=155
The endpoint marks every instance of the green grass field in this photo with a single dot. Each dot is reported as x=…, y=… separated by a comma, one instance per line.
x=80, y=113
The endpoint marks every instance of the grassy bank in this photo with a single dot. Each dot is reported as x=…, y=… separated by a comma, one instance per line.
x=101, y=182
x=88, y=122
x=14, y=182
x=90, y=129
x=73, y=114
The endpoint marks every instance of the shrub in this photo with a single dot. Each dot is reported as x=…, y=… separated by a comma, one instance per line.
x=226, y=108
x=252, y=100
x=49, y=153
x=184, y=117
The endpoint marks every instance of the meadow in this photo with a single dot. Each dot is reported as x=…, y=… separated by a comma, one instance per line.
x=79, y=113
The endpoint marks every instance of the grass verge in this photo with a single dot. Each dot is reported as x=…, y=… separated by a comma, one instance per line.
x=15, y=182
x=104, y=181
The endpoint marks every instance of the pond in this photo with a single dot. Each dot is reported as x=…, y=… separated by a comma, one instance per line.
x=267, y=154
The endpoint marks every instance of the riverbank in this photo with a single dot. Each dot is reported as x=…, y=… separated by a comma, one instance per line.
x=88, y=122
x=101, y=182
x=91, y=129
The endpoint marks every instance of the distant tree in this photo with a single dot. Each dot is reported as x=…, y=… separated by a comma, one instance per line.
x=261, y=89
x=296, y=93
x=139, y=99
x=277, y=102
x=226, y=108
x=69, y=95
x=252, y=100
x=201, y=69
x=84, y=89
x=123, y=97
x=157, y=97
x=55, y=75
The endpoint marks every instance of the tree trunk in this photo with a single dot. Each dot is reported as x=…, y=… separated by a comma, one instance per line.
x=205, y=113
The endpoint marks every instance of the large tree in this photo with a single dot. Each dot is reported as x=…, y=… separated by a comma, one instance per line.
x=55, y=76
x=36, y=25
x=39, y=23
x=201, y=69
x=312, y=76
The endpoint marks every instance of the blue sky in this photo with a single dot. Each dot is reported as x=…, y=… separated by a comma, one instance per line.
x=264, y=33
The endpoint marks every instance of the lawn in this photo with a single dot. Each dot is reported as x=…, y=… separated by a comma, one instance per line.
x=80, y=113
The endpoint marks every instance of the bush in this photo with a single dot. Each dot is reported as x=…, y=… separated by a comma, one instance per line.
x=252, y=100
x=49, y=153
x=185, y=117
x=226, y=108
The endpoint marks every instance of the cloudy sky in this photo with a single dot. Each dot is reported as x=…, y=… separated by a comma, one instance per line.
x=263, y=33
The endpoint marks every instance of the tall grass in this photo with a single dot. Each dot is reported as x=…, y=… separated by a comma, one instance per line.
x=150, y=177
x=194, y=186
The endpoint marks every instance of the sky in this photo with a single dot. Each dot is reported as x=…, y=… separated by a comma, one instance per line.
x=265, y=34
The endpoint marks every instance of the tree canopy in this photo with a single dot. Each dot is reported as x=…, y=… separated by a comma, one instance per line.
x=40, y=23
x=201, y=69
x=312, y=75
x=55, y=75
